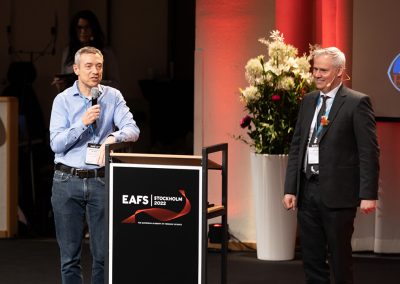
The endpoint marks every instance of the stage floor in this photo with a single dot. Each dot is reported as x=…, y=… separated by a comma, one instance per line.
x=36, y=261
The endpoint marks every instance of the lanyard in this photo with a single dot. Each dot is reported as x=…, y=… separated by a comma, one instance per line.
x=317, y=125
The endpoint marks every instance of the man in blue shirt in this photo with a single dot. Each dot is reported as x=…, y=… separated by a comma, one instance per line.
x=80, y=127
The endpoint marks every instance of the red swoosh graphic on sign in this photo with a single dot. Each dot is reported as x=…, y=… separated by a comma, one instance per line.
x=160, y=213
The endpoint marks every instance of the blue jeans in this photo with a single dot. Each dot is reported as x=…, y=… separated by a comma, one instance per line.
x=73, y=199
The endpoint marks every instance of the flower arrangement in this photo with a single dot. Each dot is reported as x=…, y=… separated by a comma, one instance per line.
x=276, y=87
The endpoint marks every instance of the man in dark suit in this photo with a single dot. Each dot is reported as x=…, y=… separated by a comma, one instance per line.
x=333, y=168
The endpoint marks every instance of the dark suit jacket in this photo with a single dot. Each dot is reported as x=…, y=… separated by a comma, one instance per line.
x=348, y=150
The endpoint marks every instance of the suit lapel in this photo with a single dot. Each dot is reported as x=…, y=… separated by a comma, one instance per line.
x=310, y=107
x=337, y=104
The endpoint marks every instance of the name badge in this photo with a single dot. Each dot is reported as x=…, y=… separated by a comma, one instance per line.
x=92, y=154
x=313, y=154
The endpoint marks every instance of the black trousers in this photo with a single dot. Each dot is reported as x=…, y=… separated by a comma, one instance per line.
x=325, y=237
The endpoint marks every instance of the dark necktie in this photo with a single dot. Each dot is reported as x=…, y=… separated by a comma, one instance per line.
x=313, y=169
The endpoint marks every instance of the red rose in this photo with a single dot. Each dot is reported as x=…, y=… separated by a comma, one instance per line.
x=276, y=98
x=245, y=121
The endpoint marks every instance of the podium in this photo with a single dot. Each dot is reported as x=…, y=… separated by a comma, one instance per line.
x=9, y=166
x=157, y=212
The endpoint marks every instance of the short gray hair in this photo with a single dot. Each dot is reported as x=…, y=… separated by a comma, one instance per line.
x=338, y=57
x=86, y=50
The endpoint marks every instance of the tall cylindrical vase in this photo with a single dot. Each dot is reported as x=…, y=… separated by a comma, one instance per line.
x=275, y=226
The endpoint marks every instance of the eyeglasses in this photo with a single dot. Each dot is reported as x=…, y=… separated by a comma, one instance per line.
x=84, y=28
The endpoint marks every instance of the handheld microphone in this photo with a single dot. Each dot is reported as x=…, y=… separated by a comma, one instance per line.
x=95, y=92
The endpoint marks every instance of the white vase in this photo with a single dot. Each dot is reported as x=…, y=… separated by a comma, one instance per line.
x=275, y=226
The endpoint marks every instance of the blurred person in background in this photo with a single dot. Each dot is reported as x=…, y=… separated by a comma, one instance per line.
x=85, y=30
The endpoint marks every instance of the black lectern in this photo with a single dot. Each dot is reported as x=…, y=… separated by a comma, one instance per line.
x=157, y=213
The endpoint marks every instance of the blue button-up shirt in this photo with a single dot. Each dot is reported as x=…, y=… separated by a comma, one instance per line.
x=69, y=137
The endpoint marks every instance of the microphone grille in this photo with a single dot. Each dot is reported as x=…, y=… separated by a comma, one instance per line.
x=95, y=92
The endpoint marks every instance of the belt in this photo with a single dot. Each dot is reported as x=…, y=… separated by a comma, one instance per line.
x=313, y=178
x=81, y=173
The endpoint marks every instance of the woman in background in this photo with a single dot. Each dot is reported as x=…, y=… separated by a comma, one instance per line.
x=85, y=30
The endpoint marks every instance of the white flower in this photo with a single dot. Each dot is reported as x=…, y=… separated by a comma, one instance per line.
x=308, y=78
x=276, y=69
x=277, y=36
x=285, y=83
x=263, y=41
x=292, y=64
x=268, y=80
x=250, y=94
x=303, y=64
x=254, y=70
x=276, y=52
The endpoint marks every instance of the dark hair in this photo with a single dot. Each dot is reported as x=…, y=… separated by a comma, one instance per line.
x=74, y=43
